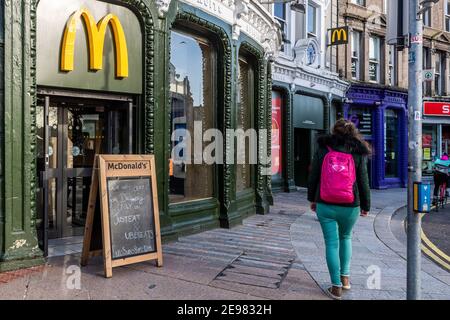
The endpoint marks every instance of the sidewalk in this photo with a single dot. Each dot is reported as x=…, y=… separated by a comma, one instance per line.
x=254, y=261
x=276, y=256
x=376, y=251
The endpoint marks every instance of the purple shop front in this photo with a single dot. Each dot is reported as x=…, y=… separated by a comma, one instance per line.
x=381, y=116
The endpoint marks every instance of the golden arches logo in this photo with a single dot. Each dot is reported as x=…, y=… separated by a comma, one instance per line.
x=340, y=33
x=96, y=40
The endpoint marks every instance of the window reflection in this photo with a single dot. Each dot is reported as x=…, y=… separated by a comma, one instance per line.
x=245, y=103
x=192, y=87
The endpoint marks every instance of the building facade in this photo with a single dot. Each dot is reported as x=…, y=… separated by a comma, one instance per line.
x=436, y=91
x=377, y=98
x=307, y=93
x=81, y=78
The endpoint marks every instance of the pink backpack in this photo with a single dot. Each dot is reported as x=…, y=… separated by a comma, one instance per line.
x=338, y=177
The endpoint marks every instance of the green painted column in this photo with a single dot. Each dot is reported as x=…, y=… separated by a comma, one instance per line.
x=262, y=201
x=18, y=231
x=269, y=194
x=289, y=141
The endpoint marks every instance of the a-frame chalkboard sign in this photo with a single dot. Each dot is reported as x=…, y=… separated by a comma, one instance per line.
x=128, y=215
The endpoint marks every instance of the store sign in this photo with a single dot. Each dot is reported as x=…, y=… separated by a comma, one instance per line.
x=428, y=75
x=96, y=41
x=276, y=133
x=362, y=118
x=125, y=185
x=89, y=45
x=436, y=108
x=339, y=36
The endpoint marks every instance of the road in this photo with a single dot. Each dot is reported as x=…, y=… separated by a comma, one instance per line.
x=436, y=236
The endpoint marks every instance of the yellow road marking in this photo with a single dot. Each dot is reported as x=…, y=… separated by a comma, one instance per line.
x=433, y=247
x=435, y=258
x=429, y=253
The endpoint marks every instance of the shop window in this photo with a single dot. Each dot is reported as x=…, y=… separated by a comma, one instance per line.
x=362, y=118
x=374, y=59
x=391, y=145
x=445, y=139
x=429, y=145
x=192, y=87
x=277, y=103
x=355, y=38
x=245, y=107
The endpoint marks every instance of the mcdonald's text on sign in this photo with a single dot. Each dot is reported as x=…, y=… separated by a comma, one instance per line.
x=338, y=36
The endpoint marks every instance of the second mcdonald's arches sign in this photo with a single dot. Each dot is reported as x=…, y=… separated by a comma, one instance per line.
x=338, y=36
x=89, y=45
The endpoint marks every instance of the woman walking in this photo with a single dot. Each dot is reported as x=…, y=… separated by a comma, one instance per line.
x=338, y=189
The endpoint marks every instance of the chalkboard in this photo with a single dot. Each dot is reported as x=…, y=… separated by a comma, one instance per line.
x=125, y=186
x=132, y=225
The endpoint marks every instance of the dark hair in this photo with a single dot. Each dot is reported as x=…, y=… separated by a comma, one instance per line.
x=347, y=134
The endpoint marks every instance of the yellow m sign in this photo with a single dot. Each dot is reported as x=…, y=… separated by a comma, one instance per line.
x=96, y=40
x=339, y=36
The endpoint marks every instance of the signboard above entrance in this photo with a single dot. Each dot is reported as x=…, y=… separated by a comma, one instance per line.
x=436, y=108
x=89, y=45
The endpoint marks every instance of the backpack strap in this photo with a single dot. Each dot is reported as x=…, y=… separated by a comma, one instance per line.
x=329, y=149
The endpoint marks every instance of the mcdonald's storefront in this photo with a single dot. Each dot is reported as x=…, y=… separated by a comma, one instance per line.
x=87, y=77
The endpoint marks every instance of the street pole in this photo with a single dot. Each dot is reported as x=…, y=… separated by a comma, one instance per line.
x=415, y=149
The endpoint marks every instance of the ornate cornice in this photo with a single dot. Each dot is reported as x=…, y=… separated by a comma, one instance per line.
x=163, y=7
x=292, y=74
x=245, y=16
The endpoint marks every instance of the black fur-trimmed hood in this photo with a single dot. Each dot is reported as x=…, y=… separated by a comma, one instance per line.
x=352, y=145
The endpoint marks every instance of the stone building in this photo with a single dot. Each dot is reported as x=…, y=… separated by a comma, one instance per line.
x=307, y=92
x=436, y=58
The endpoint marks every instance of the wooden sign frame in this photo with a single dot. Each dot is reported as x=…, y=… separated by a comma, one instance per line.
x=100, y=176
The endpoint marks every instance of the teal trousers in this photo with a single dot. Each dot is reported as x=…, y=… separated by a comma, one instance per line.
x=337, y=224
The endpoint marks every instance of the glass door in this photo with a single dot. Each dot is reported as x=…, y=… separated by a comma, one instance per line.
x=69, y=136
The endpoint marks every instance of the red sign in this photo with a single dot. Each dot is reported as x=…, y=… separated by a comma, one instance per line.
x=436, y=108
x=276, y=133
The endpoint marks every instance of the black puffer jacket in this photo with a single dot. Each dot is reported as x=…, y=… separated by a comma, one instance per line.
x=360, y=153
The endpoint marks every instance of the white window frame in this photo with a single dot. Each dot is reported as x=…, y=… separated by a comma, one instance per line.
x=286, y=24
x=317, y=24
x=356, y=57
x=427, y=18
x=440, y=80
x=359, y=2
x=374, y=61
x=447, y=16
